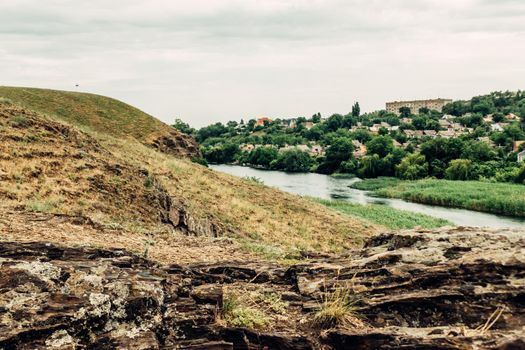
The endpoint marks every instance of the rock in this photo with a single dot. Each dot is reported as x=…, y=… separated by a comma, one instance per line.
x=443, y=289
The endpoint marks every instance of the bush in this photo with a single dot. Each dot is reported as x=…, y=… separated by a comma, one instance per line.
x=520, y=177
x=293, y=160
x=412, y=167
x=200, y=160
x=460, y=169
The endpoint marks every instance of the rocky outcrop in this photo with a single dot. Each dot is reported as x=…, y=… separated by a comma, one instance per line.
x=448, y=289
x=177, y=144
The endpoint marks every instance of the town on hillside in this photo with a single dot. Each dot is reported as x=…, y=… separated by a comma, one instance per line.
x=482, y=137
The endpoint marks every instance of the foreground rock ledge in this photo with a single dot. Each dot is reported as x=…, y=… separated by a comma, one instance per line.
x=446, y=289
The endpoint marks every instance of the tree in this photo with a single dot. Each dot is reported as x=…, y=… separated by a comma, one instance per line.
x=420, y=123
x=262, y=156
x=424, y=110
x=339, y=151
x=356, y=110
x=460, y=169
x=380, y=145
x=405, y=112
x=412, y=167
x=183, y=127
x=362, y=135
x=316, y=118
x=334, y=122
x=370, y=166
x=520, y=178
x=293, y=160
x=478, y=152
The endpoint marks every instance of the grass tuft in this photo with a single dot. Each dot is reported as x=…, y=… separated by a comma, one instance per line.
x=337, y=310
x=239, y=315
x=46, y=206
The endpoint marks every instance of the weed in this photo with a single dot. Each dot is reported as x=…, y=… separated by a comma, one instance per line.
x=238, y=315
x=337, y=310
x=20, y=121
x=149, y=182
x=46, y=206
x=147, y=245
x=254, y=179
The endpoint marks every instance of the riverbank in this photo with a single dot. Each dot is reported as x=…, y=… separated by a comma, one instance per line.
x=385, y=216
x=497, y=198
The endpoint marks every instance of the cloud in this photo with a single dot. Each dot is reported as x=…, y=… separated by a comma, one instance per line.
x=209, y=60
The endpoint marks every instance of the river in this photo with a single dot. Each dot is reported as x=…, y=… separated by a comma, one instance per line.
x=328, y=187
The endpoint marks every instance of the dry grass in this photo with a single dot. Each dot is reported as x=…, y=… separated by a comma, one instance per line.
x=159, y=245
x=337, y=310
x=255, y=307
x=98, y=113
x=253, y=213
x=51, y=167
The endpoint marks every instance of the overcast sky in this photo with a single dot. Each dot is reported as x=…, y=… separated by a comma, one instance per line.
x=219, y=60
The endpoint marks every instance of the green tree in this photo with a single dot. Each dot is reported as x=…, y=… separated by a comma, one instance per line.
x=263, y=156
x=183, y=127
x=370, y=166
x=356, y=110
x=460, y=169
x=412, y=167
x=293, y=160
x=405, y=112
x=380, y=145
x=334, y=122
x=478, y=152
x=339, y=151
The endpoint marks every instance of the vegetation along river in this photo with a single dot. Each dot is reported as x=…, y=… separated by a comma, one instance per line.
x=328, y=187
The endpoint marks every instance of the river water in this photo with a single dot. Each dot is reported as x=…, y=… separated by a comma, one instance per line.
x=328, y=187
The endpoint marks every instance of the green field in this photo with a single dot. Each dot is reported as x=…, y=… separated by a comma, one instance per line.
x=498, y=198
x=385, y=216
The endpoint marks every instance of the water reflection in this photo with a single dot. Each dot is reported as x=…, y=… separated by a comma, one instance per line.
x=328, y=187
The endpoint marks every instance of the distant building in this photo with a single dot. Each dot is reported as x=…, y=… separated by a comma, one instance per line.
x=521, y=156
x=261, y=120
x=359, y=149
x=247, y=147
x=308, y=125
x=431, y=133
x=435, y=104
x=516, y=145
x=512, y=116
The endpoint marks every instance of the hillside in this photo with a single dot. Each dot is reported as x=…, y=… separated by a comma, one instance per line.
x=120, y=183
x=104, y=115
x=108, y=243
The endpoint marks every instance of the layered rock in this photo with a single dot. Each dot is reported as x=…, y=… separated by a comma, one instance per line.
x=447, y=289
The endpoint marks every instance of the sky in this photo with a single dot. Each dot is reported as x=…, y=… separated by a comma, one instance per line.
x=217, y=60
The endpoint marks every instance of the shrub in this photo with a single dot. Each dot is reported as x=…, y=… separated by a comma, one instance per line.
x=412, y=167
x=238, y=315
x=200, y=160
x=460, y=169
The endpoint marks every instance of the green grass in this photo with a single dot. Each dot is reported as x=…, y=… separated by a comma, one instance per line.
x=497, y=198
x=391, y=218
x=95, y=112
x=375, y=184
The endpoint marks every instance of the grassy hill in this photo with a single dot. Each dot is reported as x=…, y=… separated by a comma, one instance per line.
x=120, y=182
x=100, y=114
